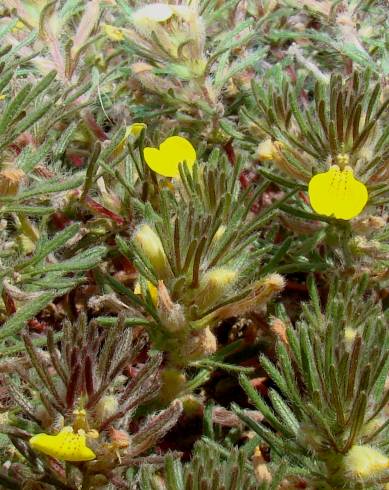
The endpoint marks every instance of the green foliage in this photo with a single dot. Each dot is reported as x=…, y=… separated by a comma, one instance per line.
x=186, y=67
x=207, y=470
x=329, y=396
x=197, y=249
x=86, y=390
x=344, y=120
x=123, y=291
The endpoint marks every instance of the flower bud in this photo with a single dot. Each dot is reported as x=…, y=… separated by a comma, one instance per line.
x=261, y=470
x=200, y=344
x=106, y=407
x=266, y=150
x=262, y=292
x=365, y=461
x=193, y=405
x=149, y=242
x=219, y=233
x=10, y=180
x=173, y=382
x=278, y=327
x=119, y=438
x=369, y=224
x=308, y=436
x=26, y=245
x=360, y=246
x=214, y=284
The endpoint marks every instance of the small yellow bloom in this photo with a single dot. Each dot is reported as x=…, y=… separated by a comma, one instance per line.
x=171, y=152
x=365, y=461
x=132, y=132
x=114, y=33
x=2, y=96
x=154, y=12
x=135, y=129
x=65, y=446
x=338, y=193
x=152, y=290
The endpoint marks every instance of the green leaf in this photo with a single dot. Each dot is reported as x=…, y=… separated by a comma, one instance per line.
x=18, y=320
x=30, y=210
x=50, y=246
x=83, y=261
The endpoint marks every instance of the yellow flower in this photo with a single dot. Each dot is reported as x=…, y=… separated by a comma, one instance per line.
x=154, y=12
x=135, y=129
x=365, y=461
x=114, y=33
x=133, y=132
x=152, y=290
x=337, y=192
x=65, y=446
x=171, y=152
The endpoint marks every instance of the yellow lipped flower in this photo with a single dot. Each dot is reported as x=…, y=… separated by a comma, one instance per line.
x=65, y=446
x=171, y=153
x=337, y=193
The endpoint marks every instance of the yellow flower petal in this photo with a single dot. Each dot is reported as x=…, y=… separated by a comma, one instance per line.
x=134, y=131
x=65, y=446
x=114, y=33
x=152, y=290
x=337, y=193
x=171, y=152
